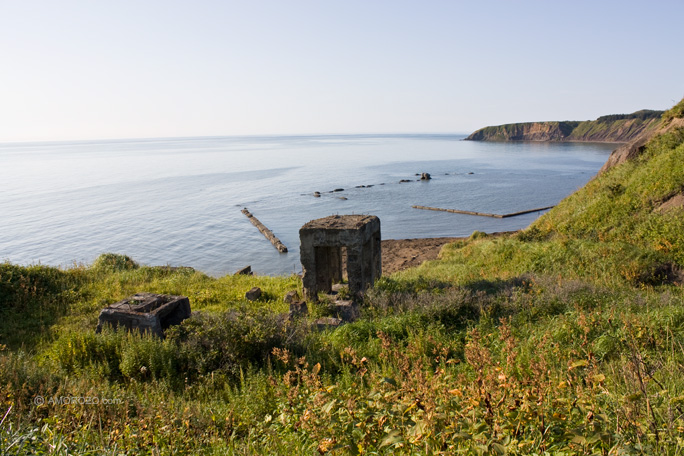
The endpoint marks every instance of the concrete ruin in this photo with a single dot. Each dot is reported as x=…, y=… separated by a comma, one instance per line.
x=146, y=312
x=340, y=245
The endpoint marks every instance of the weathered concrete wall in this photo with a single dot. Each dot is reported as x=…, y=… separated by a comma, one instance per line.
x=322, y=241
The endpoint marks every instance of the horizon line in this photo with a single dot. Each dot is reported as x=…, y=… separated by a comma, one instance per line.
x=263, y=135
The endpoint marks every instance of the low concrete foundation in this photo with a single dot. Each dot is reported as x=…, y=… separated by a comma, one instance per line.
x=146, y=312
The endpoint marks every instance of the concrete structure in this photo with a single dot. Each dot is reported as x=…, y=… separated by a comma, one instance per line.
x=146, y=312
x=337, y=244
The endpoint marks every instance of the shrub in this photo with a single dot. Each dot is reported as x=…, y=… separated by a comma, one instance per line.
x=677, y=111
x=146, y=357
x=22, y=286
x=110, y=262
x=78, y=351
x=233, y=340
x=478, y=235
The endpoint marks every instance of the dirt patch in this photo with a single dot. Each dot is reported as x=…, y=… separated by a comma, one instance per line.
x=676, y=202
x=400, y=254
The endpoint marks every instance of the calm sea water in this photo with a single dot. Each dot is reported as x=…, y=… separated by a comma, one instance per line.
x=177, y=201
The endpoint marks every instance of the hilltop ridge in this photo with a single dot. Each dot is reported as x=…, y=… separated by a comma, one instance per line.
x=610, y=128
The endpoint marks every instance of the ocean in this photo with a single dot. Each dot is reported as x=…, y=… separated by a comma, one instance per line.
x=177, y=201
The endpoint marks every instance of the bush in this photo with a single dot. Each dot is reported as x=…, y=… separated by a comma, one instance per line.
x=146, y=357
x=477, y=235
x=31, y=299
x=110, y=262
x=233, y=340
x=22, y=286
x=677, y=111
x=75, y=352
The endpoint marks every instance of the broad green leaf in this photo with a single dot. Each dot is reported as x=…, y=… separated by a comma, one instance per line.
x=580, y=363
x=497, y=448
x=392, y=438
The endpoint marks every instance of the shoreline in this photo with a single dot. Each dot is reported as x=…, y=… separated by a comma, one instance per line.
x=513, y=141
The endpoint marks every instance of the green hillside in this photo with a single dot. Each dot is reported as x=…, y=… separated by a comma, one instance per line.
x=565, y=338
x=629, y=203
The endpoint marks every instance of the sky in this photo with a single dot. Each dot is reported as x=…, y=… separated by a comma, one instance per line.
x=73, y=70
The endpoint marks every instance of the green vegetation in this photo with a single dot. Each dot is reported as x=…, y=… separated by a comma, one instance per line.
x=676, y=112
x=644, y=114
x=566, y=338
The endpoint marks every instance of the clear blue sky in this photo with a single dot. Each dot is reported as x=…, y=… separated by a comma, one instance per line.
x=123, y=69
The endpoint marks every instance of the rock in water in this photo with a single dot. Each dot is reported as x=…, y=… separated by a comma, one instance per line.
x=247, y=270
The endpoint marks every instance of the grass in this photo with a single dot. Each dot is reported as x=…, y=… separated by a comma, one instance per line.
x=566, y=338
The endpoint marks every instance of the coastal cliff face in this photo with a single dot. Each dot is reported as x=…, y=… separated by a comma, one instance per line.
x=612, y=128
x=674, y=120
x=529, y=131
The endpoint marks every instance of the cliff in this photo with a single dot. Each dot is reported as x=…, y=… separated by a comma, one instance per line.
x=611, y=128
x=671, y=120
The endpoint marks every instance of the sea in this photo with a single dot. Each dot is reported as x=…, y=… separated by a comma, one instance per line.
x=178, y=201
